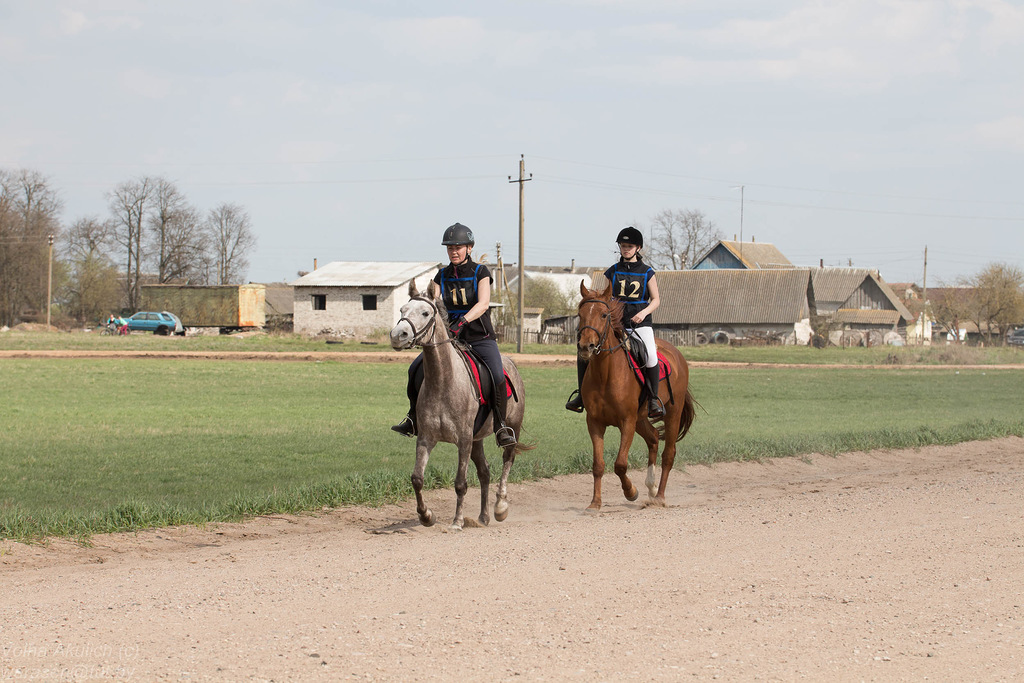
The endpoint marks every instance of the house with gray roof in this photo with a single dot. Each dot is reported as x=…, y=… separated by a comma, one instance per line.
x=726, y=254
x=862, y=307
x=356, y=298
x=719, y=306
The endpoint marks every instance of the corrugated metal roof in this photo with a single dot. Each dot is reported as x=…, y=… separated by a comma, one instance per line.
x=732, y=296
x=365, y=274
x=836, y=285
x=758, y=255
x=860, y=316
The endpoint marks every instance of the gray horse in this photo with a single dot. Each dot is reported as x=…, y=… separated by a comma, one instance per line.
x=447, y=406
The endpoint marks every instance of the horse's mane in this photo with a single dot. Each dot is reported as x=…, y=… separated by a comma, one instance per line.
x=615, y=307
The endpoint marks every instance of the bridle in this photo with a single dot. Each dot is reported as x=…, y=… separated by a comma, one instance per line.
x=601, y=334
x=419, y=335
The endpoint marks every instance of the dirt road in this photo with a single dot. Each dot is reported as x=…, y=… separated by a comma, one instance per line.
x=885, y=566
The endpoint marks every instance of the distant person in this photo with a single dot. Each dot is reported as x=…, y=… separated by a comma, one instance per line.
x=634, y=284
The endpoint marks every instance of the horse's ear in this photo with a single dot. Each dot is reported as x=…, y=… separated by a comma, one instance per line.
x=433, y=292
x=583, y=289
x=413, y=289
x=607, y=293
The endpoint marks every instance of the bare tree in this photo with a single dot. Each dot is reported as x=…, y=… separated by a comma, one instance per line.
x=998, y=299
x=232, y=240
x=92, y=287
x=165, y=234
x=678, y=237
x=129, y=203
x=177, y=243
x=29, y=212
x=952, y=305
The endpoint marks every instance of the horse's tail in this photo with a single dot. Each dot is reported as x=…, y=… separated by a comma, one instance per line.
x=521, y=447
x=689, y=412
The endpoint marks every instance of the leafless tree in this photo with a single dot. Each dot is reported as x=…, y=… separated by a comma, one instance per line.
x=29, y=213
x=678, y=237
x=166, y=236
x=129, y=203
x=232, y=240
x=177, y=241
x=998, y=299
x=92, y=288
x=951, y=305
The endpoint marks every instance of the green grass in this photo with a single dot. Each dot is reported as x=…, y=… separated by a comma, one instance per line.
x=90, y=446
x=15, y=340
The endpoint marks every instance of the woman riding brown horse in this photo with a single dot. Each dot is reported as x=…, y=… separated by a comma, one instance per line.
x=612, y=394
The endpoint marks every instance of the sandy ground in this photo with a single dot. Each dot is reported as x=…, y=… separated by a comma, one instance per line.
x=880, y=566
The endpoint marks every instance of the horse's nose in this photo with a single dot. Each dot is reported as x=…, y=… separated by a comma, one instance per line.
x=398, y=336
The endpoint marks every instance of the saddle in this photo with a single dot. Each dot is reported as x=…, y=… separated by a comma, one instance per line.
x=483, y=383
x=637, y=354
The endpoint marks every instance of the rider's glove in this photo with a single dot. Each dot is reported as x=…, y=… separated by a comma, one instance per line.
x=456, y=327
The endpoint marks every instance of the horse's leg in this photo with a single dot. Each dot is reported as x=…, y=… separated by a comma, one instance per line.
x=596, y=430
x=626, y=432
x=649, y=434
x=502, y=497
x=423, y=448
x=673, y=418
x=461, y=481
x=483, y=472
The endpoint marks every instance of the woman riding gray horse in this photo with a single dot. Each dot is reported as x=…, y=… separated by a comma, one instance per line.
x=466, y=293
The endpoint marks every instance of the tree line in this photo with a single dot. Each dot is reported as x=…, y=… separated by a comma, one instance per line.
x=152, y=234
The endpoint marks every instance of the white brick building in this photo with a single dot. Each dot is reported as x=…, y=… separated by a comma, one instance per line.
x=356, y=297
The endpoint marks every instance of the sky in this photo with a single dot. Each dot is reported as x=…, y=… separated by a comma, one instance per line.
x=857, y=132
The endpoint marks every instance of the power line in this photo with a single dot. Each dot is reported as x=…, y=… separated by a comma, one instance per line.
x=784, y=187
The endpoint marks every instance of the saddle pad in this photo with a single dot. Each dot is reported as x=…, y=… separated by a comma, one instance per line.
x=664, y=369
x=474, y=370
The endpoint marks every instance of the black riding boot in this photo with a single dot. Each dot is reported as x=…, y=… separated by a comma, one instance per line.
x=503, y=434
x=655, y=408
x=575, y=402
x=407, y=427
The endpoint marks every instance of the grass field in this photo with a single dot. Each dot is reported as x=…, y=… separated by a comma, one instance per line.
x=90, y=446
x=884, y=355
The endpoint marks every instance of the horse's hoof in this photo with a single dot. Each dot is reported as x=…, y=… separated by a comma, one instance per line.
x=593, y=508
x=455, y=527
x=655, y=502
x=633, y=494
x=427, y=518
x=484, y=520
x=501, y=510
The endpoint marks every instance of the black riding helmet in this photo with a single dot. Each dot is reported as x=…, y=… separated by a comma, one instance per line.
x=630, y=235
x=458, y=234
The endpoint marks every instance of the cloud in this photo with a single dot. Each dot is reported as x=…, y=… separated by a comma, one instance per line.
x=72, y=22
x=144, y=83
x=1001, y=134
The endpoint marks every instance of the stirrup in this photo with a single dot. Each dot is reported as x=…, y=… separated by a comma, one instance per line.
x=505, y=437
x=406, y=427
x=575, y=402
x=655, y=409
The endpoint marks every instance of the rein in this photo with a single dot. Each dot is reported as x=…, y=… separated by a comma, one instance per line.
x=601, y=335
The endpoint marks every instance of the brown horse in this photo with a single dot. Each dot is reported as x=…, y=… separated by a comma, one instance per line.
x=611, y=395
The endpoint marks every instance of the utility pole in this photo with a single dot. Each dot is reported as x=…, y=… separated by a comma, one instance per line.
x=500, y=279
x=924, y=294
x=740, y=188
x=49, y=283
x=522, y=248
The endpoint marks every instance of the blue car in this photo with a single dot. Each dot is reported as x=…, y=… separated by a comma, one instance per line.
x=157, y=323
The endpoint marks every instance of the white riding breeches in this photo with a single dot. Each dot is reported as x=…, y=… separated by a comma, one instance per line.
x=646, y=335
